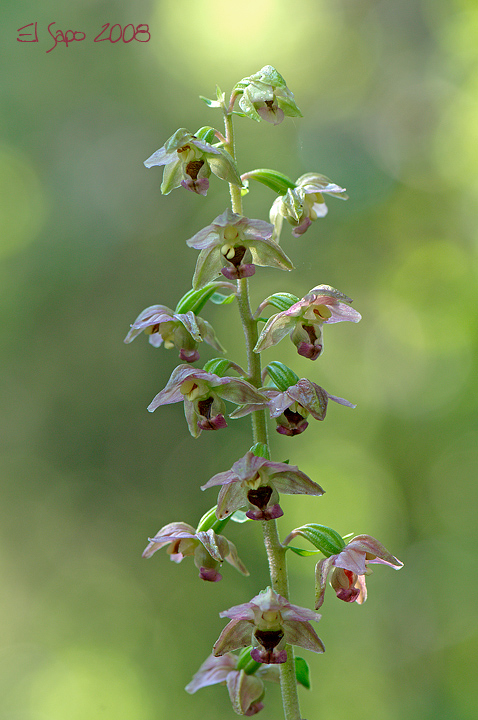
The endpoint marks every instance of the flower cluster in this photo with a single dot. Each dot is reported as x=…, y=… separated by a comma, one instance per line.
x=246, y=689
x=181, y=330
x=304, y=203
x=349, y=568
x=208, y=549
x=233, y=245
x=303, y=321
x=268, y=622
x=255, y=482
x=189, y=160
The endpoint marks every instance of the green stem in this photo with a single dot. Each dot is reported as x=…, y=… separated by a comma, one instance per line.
x=276, y=552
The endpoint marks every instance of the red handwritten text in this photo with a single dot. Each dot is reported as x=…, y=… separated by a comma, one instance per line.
x=109, y=33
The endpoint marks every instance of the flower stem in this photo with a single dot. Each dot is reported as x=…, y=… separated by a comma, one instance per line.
x=276, y=552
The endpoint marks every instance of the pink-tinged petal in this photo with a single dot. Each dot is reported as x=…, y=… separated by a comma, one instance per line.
x=362, y=588
x=191, y=418
x=295, y=482
x=271, y=673
x=231, y=497
x=275, y=329
x=168, y=534
x=236, y=634
x=322, y=570
x=376, y=552
x=267, y=253
x=278, y=402
x=239, y=392
x=233, y=559
x=311, y=396
x=304, y=635
x=213, y=671
x=208, y=335
x=351, y=559
x=189, y=321
x=298, y=613
x=212, y=544
x=245, y=692
x=223, y=478
x=160, y=157
x=204, y=146
x=341, y=401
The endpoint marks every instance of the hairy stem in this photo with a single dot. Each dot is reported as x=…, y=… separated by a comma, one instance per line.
x=276, y=552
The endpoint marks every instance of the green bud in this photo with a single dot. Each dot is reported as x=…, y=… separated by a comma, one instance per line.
x=302, y=672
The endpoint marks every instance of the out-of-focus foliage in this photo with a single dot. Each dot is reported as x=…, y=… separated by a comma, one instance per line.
x=388, y=90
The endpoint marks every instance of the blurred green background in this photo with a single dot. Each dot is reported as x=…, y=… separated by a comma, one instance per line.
x=389, y=95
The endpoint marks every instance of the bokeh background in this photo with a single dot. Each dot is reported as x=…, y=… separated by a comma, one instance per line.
x=388, y=90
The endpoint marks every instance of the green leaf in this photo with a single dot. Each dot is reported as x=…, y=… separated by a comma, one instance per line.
x=302, y=553
x=219, y=299
x=261, y=450
x=302, y=672
x=196, y=299
x=273, y=179
x=281, y=375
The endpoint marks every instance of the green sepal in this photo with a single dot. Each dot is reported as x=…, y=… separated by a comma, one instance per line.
x=328, y=541
x=260, y=450
x=206, y=134
x=246, y=663
x=219, y=299
x=217, y=366
x=301, y=552
x=175, y=140
x=239, y=516
x=281, y=301
x=281, y=375
x=302, y=672
x=209, y=520
x=276, y=181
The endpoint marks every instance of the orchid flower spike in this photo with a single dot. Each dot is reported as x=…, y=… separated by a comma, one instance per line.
x=269, y=623
x=303, y=321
